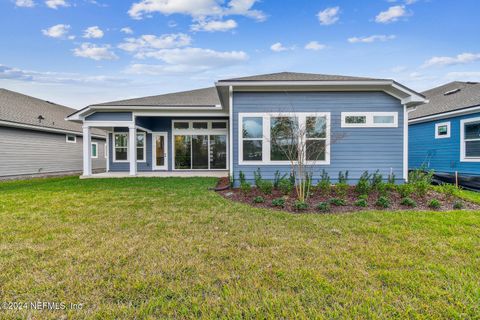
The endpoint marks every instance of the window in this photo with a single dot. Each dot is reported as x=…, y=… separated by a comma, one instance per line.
x=219, y=124
x=442, y=130
x=470, y=140
x=181, y=124
x=141, y=141
x=200, y=125
x=120, y=153
x=369, y=119
x=71, y=138
x=94, y=150
x=269, y=138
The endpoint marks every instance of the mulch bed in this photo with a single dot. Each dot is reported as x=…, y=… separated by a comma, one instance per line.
x=316, y=197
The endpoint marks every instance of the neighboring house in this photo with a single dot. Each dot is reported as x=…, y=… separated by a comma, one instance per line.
x=445, y=132
x=227, y=127
x=35, y=138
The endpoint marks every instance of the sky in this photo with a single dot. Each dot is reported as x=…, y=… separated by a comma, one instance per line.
x=80, y=52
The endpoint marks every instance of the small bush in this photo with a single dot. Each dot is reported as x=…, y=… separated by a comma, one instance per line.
x=324, y=185
x=421, y=181
x=408, y=202
x=382, y=189
x=257, y=177
x=391, y=178
x=434, y=204
x=265, y=186
x=361, y=203
x=383, y=202
x=246, y=187
x=285, y=186
x=343, y=177
x=363, y=197
x=363, y=184
x=323, y=207
x=448, y=189
x=279, y=202
x=278, y=178
x=241, y=177
x=341, y=190
x=300, y=205
x=458, y=205
x=338, y=202
x=405, y=190
x=258, y=199
x=377, y=179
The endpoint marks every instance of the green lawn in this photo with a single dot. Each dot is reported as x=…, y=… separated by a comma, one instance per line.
x=169, y=248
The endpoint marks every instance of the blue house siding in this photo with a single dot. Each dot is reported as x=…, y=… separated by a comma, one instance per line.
x=110, y=116
x=358, y=150
x=440, y=155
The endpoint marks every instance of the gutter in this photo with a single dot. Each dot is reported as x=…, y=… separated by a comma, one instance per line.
x=45, y=129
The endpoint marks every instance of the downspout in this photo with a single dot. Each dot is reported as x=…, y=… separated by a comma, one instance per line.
x=230, y=129
x=405, y=140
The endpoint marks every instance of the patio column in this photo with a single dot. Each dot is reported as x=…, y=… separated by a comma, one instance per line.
x=87, y=151
x=132, y=149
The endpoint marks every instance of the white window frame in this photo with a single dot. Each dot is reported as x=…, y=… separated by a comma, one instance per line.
x=441, y=124
x=190, y=125
x=369, y=117
x=105, y=150
x=302, y=116
x=114, y=147
x=96, y=148
x=463, y=122
x=144, y=146
x=71, y=135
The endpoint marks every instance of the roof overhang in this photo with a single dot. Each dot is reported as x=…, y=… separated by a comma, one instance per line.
x=44, y=129
x=445, y=115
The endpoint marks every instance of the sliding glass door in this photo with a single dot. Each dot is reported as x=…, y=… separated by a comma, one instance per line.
x=200, y=152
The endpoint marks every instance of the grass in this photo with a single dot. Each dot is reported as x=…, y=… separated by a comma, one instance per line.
x=169, y=248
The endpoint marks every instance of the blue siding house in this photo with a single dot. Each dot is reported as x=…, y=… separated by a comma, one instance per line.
x=445, y=132
x=351, y=123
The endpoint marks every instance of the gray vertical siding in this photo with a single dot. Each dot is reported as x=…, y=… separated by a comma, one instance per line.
x=360, y=149
x=26, y=152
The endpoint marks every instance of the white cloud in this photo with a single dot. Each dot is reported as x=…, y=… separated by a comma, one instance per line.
x=57, y=31
x=464, y=76
x=54, y=4
x=329, y=16
x=150, y=42
x=391, y=15
x=314, y=45
x=214, y=25
x=409, y=2
x=196, y=8
x=127, y=30
x=25, y=3
x=278, y=47
x=95, y=52
x=371, y=39
x=93, y=32
x=462, y=58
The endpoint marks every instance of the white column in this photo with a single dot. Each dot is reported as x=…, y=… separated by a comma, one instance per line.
x=87, y=151
x=132, y=149
x=107, y=151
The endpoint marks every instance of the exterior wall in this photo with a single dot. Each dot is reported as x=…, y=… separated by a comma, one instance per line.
x=358, y=150
x=440, y=155
x=110, y=116
x=28, y=152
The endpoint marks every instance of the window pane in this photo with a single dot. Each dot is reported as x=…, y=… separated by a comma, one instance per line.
x=140, y=154
x=121, y=153
x=442, y=130
x=355, y=119
x=219, y=125
x=199, y=152
x=200, y=125
x=140, y=140
x=120, y=140
x=183, y=152
x=70, y=138
x=472, y=131
x=253, y=127
x=315, y=150
x=94, y=150
x=284, y=138
x=316, y=127
x=383, y=119
x=252, y=150
x=218, y=152
x=472, y=149
x=180, y=125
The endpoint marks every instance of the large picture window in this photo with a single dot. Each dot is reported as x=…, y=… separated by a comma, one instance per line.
x=283, y=138
x=120, y=154
x=470, y=136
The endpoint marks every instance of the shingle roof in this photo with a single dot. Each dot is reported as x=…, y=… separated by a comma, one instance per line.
x=22, y=109
x=198, y=97
x=449, y=97
x=296, y=76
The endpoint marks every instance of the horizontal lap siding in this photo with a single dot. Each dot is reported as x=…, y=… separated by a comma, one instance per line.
x=31, y=152
x=360, y=149
x=441, y=155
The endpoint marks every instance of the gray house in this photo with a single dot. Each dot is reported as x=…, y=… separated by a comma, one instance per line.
x=36, y=140
x=230, y=128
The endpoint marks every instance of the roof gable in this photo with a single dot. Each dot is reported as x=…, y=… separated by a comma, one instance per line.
x=297, y=76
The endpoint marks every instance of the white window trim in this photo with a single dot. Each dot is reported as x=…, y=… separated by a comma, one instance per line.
x=71, y=135
x=463, y=122
x=190, y=125
x=114, y=147
x=266, y=136
x=369, y=123
x=144, y=146
x=441, y=124
x=96, y=148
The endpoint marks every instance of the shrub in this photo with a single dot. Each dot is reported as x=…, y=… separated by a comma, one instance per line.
x=361, y=203
x=377, y=179
x=448, y=189
x=408, y=202
x=391, y=178
x=241, y=177
x=285, y=186
x=279, y=202
x=383, y=202
x=363, y=184
x=265, y=186
x=434, y=204
x=421, y=181
x=382, y=189
x=258, y=199
x=245, y=187
x=363, y=197
x=300, y=205
x=324, y=184
x=343, y=177
x=278, y=178
x=257, y=176
x=338, y=202
x=458, y=205
x=405, y=190
x=323, y=206
x=341, y=190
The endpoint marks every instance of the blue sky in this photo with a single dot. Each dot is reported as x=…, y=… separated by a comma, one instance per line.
x=77, y=52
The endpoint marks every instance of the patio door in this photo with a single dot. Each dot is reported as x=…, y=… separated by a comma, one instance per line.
x=160, y=154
